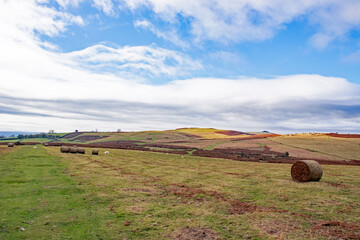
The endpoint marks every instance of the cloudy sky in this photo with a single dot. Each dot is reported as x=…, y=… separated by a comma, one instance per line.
x=249, y=65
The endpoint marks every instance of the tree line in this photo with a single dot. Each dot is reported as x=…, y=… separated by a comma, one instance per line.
x=24, y=136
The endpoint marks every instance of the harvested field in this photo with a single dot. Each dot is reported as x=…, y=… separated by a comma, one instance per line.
x=335, y=147
x=149, y=195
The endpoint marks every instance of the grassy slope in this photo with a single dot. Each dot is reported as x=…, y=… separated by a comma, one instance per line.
x=162, y=136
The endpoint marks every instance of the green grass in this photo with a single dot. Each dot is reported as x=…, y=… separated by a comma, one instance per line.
x=12, y=140
x=146, y=195
x=57, y=134
x=40, y=140
x=37, y=195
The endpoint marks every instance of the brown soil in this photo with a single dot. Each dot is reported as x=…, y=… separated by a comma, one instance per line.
x=343, y=135
x=266, y=155
x=239, y=207
x=337, y=230
x=190, y=233
x=242, y=154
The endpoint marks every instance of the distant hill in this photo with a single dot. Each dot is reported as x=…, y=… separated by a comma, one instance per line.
x=14, y=134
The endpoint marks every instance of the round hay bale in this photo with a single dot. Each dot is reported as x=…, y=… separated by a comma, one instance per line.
x=81, y=150
x=73, y=150
x=306, y=170
x=64, y=149
x=46, y=144
x=95, y=152
x=10, y=144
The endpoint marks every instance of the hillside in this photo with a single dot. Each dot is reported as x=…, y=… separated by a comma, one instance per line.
x=209, y=142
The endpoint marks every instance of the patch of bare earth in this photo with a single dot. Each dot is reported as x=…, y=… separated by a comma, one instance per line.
x=239, y=207
x=278, y=227
x=337, y=230
x=190, y=233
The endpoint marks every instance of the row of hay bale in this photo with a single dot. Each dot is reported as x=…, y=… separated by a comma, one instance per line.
x=67, y=149
x=301, y=171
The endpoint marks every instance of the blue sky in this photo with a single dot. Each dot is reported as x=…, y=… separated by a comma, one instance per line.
x=282, y=66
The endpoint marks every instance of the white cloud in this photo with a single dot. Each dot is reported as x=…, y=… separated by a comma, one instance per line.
x=105, y=5
x=146, y=61
x=169, y=35
x=67, y=3
x=22, y=19
x=42, y=89
x=236, y=21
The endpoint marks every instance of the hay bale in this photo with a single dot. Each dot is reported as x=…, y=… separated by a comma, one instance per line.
x=306, y=170
x=73, y=150
x=10, y=144
x=81, y=150
x=64, y=149
x=46, y=144
x=95, y=152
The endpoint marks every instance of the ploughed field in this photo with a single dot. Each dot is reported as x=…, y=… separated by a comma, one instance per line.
x=137, y=194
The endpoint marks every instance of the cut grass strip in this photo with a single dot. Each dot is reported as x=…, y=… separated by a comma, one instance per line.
x=39, y=201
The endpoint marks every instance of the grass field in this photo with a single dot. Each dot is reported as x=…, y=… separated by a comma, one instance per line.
x=341, y=148
x=145, y=195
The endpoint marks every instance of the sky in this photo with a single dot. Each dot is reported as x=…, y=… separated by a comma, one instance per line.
x=248, y=65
